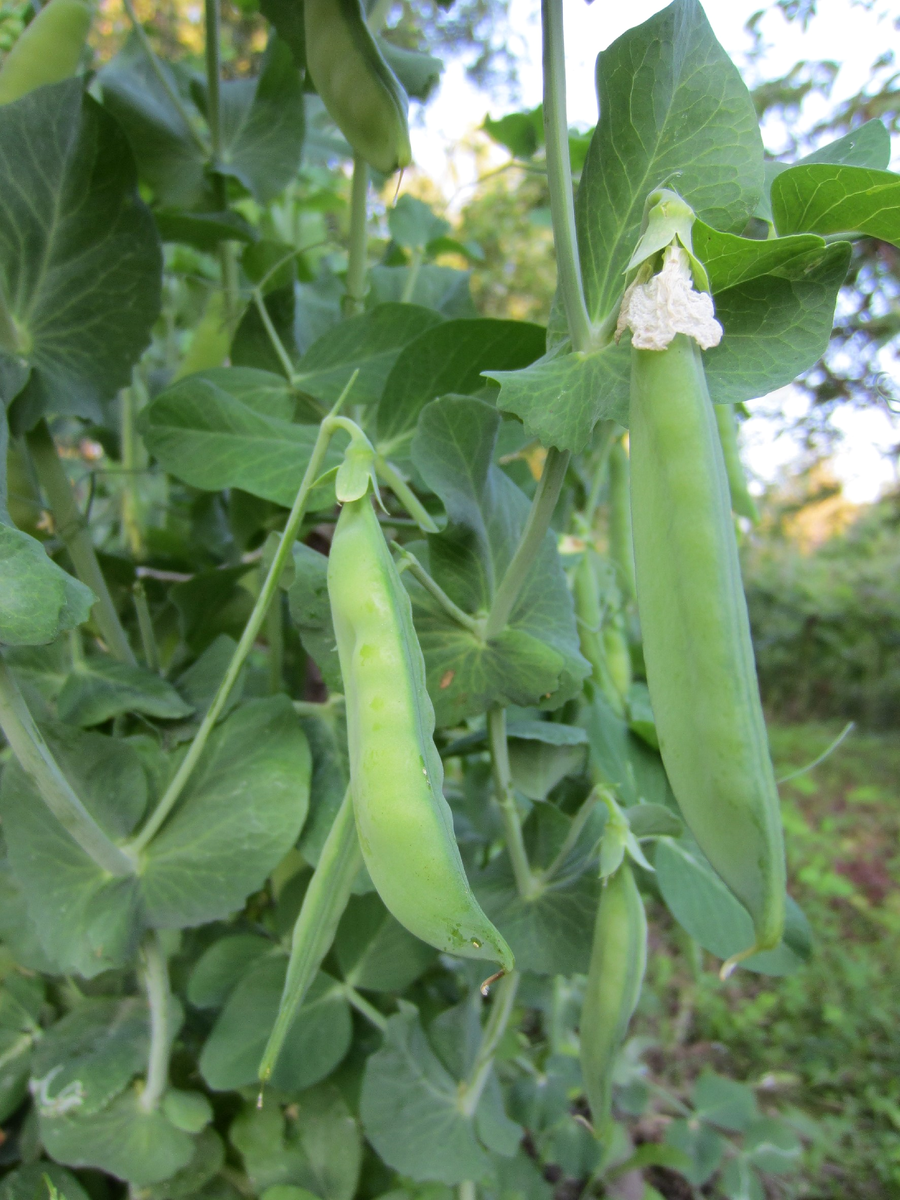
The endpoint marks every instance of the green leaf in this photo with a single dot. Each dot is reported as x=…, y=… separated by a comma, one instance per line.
x=232, y=427
x=209, y=1156
x=240, y=813
x=653, y=820
x=704, y=907
x=90, y=1056
x=99, y=689
x=29, y=1183
x=80, y=261
x=723, y=1102
x=420, y=73
x=410, y=1109
x=828, y=198
x=137, y=1146
x=442, y=288
x=21, y=1001
x=740, y=1181
x=375, y=952
x=201, y=680
x=17, y=930
x=220, y=967
x=772, y=1146
x=311, y=612
x=190, y=1111
x=318, y=1039
x=704, y=1148
x=730, y=260
x=38, y=599
x=413, y=224
x=203, y=231
x=263, y=124
x=522, y=133
x=451, y=358
x=537, y=767
x=368, y=343
x=536, y=658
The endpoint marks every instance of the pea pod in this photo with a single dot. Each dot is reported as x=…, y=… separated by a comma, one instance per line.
x=741, y=501
x=621, y=549
x=615, y=975
x=404, y=823
x=362, y=94
x=48, y=51
x=600, y=634
x=697, y=648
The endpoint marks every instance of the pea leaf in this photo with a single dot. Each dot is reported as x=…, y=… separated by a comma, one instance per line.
x=375, y=952
x=207, y=1161
x=536, y=658
x=28, y=1182
x=38, y=599
x=220, y=968
x=21, y=1001
x=311, y=612
x=829, y=198
x=99, y=689
x=80, y=259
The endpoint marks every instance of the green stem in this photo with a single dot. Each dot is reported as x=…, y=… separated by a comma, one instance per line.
x=362, y=1005
x=501, y=1010
x=42, y=769
x=559, y=177
x=145, y=625
x=320, y=710
x=391, y=477
x=410, y=563
x=275, y=641
x=9, y=335
x=159, y=997
x=132, y=462
x=603, y=440
x=165, y=82
x=467, y=1190
x=575, y=829
x=228, y=264
x=213, y=78
x=515, y=844
x=252, y=628
x=323, y=906
x=277, y=344
x=358, y=249
x=528, y=549
x=409, y=287
x=71, y=527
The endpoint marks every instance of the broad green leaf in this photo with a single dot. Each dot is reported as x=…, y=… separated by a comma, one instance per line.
x=537, y=767
x=442, y=288
x=137, y=1146
x=315, y=1144
x=730, y=260
x=220, y=968
x=207, y=1161
x=38, y=599
x=549, y=733
x=724, y=1102
x=420, y=73
x=772, y=1146
x=413, y=224
x=522, y=133
x=318, y=1039
x=80, y=259
x=204, y=231
x=90, y=1056
x=653, y=820
x=410, y=1109
x=536, y=658
x=240, y=813
x=704, y=907
x=451, y=358
x=212, y=604
x=99, y=689
x=375, y=952
x=190, y=1111
x=368, y=343
x=29, y=1183
x=828, y=198
x=740, y=1181
x=232, y=427
x=703, y=1147
x=17, y=930
x=867, y=146
x=311, y=613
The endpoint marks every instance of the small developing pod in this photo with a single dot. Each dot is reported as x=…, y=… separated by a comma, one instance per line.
x=615, y=975
x=404, y=823
x=621, y=547
x=48, y=51
x=363, y=96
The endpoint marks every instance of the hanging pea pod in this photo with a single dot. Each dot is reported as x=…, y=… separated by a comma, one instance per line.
x=362, y=94
x=404, y=823
x=742, y=502
x=615, y=975
x=48, y=51
x=697, y=648
x=621, y=549
x=602, y=642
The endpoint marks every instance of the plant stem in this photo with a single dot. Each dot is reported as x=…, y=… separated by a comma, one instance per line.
x=277, y=344
x=145, y=625
x=42, y=769
x=213, y=77
x=515, y=844
x=71, y=528
x=391, y=477
x=275, y=642
x=159, y=996
x=228, y=264
x=362, y=1005
x=603, y=440
x=131, y=459
x=409, y=287
x=165, y=82
x=501, y=1009
x=559, y=176
x=539, y=517
x=467, y=1190
x=252, y=628
x=410, y=563
x=323, y=906
x=356, y=261
x=574, y=833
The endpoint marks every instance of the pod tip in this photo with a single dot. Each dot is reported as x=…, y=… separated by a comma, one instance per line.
x=730, y=964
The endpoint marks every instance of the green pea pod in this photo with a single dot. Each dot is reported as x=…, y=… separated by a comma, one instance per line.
x=48, y=51
x=697, y=648
x=615, y=975
x=404, y=823
x=362, y=94
x=741, y=501
x=595, y=636
x=621, y=549
x=211, y=339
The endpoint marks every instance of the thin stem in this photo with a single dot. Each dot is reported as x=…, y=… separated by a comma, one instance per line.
x=42, y=769
x=410, y=563
x=467, y=1190
x=603, y=440
x=575, y=830
x=515, y=843
x=71, y=527
x=390, y=475
x=362, y=1005
x=145, y=625
x=163, y=78
x=409, y=287
x=322, y=908
x=501, y=1009
x=356, y=261
x=228, y=264
x=559, y=176
x=275, y=641
x=845, y=732
x=252, y=628
x=539, y=518
x=131, y=458
x=277, y=344
x=320, y=710
x=213, y=77
x=159, y=997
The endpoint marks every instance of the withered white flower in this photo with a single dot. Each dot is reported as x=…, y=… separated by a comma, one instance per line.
x=667, y=304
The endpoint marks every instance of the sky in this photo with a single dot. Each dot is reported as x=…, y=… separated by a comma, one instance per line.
x=847, y=34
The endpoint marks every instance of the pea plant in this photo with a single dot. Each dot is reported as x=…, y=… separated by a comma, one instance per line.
x=368, y=666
